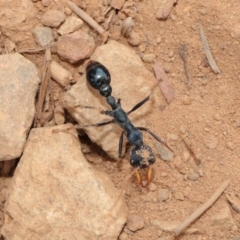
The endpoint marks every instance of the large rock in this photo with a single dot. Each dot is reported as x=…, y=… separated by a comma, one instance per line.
x=130, y=81
x=19, y=82
x=13, y=13
x=56, y=194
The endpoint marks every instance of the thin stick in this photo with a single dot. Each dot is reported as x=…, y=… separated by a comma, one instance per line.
x=85, y=17
x=183, y=54
x=207, y=50
x=37, y=49
x=190, y=149
x=177, y=231
x=43, y=87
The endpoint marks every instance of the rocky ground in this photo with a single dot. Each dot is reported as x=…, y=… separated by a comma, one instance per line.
x=59, y=183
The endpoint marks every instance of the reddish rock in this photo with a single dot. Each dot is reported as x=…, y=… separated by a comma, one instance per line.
x=53, y=18
x=75, y=46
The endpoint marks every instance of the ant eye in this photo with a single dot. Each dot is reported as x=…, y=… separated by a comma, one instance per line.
x=141, y=157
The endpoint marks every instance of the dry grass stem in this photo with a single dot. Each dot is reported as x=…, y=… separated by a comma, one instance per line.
x=207, y=50
x=43, y=87
x=85, y=17
x=178, y=230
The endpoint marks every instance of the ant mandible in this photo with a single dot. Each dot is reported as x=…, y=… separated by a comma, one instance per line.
x=141, y=156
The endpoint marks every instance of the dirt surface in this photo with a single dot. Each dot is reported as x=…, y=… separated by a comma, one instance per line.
x=206, y=114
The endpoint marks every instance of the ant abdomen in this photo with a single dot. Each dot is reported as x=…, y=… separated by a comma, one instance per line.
x=99, y=78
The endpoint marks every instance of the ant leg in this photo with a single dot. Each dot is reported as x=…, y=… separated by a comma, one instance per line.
x=120, y=145
x=138, y=105
x=82, y=106
x=93, y=125
x=155, y=136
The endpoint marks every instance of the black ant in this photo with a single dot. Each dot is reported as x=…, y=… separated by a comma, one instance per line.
x=141, y=156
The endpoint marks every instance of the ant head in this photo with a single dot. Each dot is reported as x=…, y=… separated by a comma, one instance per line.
x=99, y=77
x=141, y=157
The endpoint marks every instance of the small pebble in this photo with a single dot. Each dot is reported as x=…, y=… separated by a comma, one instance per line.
x=171, y=53
x=173, y=17
x=43, y=35
x=183, y=129
x=187, y=191
x=187, y=100
x=166, y=68
x=46, y=3
x=162, y=195
x=211, y=142
x=71, y=24
x=216, y=117
x=163, y=174
x=182, y=169
x=68, y=11
x=172, y=137
x=59, y=115
x=203, y=11
x=230, y=145
x=186, y=156
x=159, y=40
x=148, y=58
x=142, y=48
x=135, y=222
x=53, y=18
x=152, y=187
x=200, y=172
x=179, y=196
x=164, y=153
x=159, y=233
x=134, y=39
x=192, y=175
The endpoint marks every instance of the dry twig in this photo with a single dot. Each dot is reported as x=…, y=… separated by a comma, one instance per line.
x=189, y=146
x=43, y=87
x=207, y=50
x=183, y=54
x=85, y=17
x=177, y=231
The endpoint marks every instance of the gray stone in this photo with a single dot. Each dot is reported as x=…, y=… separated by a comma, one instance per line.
x=43, y=35
x=56, y=194
x=18, y=87
x=192, y=175
x=164, y=153
x=128, y=76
